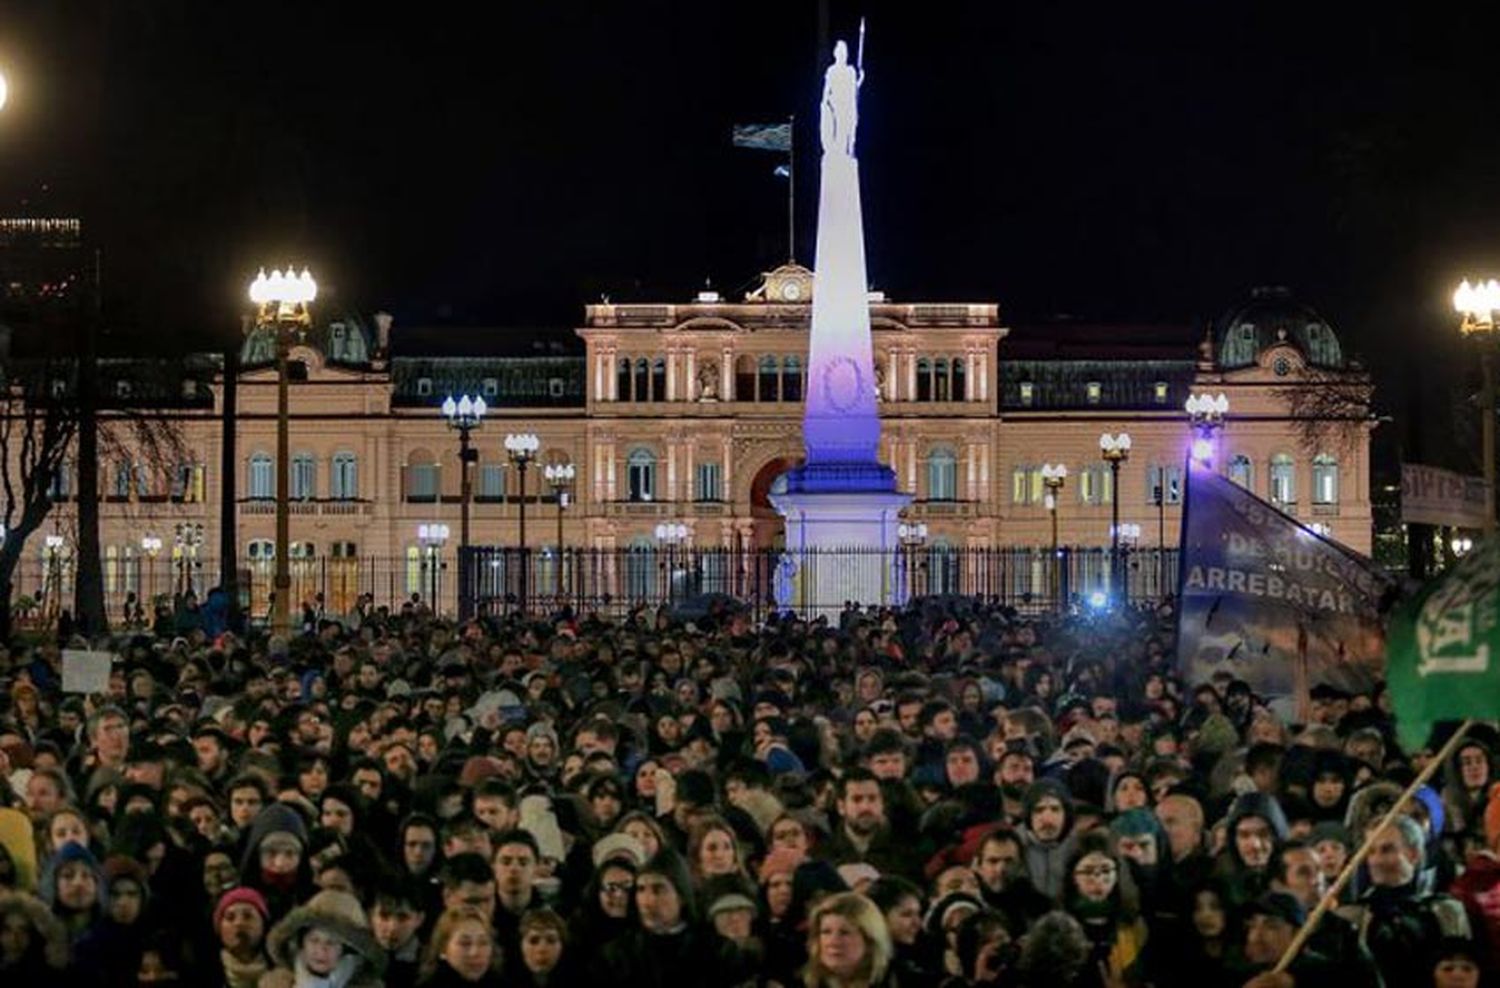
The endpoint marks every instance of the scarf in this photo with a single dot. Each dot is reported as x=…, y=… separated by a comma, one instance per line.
x=246, y=974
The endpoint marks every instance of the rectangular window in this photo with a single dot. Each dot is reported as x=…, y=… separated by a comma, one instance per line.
x=344, y=483
x=1028, y=392
x=1095, y=392
x=424, y=387
x=491, y=482
x=1164, y=483
x=710, y=482
x=262, y=480
x=304, y=479
x=1160, y=392
x=422, y=481
x=642, y=481
x=122, y=480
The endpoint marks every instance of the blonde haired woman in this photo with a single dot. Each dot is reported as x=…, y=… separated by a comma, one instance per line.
x=848, y=945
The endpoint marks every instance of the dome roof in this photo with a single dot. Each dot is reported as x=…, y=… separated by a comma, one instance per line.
x=1272, y=316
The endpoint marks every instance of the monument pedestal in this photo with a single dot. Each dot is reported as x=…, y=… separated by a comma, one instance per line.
x=841, y=544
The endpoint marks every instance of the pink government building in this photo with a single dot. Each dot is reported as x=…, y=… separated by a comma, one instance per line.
x=689, y=412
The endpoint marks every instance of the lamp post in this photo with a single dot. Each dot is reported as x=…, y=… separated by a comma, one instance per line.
x=1206, y=412
x=1115, y=450
x=560, y=477
x=54, y=548
x=464, y=415
x=672, y=534
x=1054, y=475
x=912, y=536
x=1477, y=305
x=151, y=546
x=283, y=304
x=521, y=447
x=188, y=536
x=432, y=537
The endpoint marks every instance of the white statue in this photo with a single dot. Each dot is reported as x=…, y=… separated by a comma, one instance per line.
x=841, y=102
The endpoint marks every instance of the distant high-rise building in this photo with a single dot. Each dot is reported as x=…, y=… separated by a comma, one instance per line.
x=43, y=269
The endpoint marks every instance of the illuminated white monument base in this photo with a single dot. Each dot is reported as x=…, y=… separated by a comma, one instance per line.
x=840, y=506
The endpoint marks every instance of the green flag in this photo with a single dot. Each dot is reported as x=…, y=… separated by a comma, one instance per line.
x=1443, y=661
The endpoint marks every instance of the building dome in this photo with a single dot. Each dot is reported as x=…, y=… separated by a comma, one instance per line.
x=1273, y=317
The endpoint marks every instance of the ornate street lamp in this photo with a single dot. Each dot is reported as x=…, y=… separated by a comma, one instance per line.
x=464, y=415
x=1054, y=475
x=1115, y=450
x=522, y=448
x=432, y=537
x=1206, y=413
x=283, y=304
x=1477, y=305
x=151, y=546
x=560, y=477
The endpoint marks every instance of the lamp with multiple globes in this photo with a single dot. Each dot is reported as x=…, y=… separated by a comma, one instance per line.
x=1477, y=305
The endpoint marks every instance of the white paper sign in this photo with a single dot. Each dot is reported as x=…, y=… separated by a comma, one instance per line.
x=85, y=672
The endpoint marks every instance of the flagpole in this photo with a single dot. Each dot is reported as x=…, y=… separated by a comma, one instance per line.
x=1330, y=898
x=791, y=189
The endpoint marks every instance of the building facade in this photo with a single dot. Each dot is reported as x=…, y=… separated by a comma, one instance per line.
x=690, y=412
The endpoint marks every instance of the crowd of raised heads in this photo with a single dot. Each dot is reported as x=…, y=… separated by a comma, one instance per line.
x=947, y=795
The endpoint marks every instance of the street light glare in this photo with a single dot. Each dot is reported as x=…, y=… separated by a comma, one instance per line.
x=4, y=90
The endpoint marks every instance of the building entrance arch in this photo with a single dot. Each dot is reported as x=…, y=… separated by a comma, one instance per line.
x=768, y=528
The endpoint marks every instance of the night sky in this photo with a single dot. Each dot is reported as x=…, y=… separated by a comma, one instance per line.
x=506, y=163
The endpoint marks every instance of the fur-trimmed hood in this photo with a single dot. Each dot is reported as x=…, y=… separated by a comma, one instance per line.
x=47, y=927
x=339, y=914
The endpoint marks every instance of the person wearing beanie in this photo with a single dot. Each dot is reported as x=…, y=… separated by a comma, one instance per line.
x=669, y=942
x=326, y=942
x=240, y=920
x=73, y=886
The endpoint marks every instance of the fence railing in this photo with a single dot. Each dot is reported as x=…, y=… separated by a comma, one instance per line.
x=497, y=580
x=502, y=580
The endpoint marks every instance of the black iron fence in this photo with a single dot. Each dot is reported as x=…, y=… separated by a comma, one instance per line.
x=502, y=580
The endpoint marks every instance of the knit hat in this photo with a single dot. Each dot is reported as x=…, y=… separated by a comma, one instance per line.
x=243, y=894
x=541, y=729
x=614, y=846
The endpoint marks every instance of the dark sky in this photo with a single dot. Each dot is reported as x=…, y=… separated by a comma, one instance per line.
x=504, y=163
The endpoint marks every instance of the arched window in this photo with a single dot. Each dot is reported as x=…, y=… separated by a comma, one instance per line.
x=262, y=479
x=940, y=390
x=659, y=379
x=769, y=379
x=960, y=391
x=622, y=379
x=744, y=378
x=1325, y=479
x=791, y=379
x=422, y=476
x=1283, y=480
x=642, y=390
x=942, y=475
x=641, y=473
x=344, y=478
x=491, y=482
x=1242, y=471
x=304, y=479
x=924, y=379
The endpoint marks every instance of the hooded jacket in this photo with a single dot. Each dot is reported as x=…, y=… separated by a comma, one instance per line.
x=1045, y=860
x=47, y=956
x=276, y=818
x=340, y=915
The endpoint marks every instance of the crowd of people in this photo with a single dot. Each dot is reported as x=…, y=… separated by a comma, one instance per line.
x=951, y=794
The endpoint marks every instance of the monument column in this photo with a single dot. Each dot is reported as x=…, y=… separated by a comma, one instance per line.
x=841, y=505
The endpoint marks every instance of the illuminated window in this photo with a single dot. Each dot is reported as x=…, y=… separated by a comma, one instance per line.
x=1325, y=479
x=1160, y=392
x=1242, y=471
x=1283, y=480
x=1095, y=392
x=1028, y=392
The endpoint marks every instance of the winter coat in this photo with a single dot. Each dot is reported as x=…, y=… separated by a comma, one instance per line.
x=47, y=956
x=339, y=914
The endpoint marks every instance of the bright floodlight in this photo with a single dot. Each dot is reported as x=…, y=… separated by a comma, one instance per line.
x=1478, y=303
x=1098, y=600
x=4, y=90
x=287, y=288
x=1203, y=451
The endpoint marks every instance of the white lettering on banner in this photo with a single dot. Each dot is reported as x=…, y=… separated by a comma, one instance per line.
x=1455, y=620
x=1270, y=587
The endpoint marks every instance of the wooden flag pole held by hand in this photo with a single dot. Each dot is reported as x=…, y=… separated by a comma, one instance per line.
x=1331, y=897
